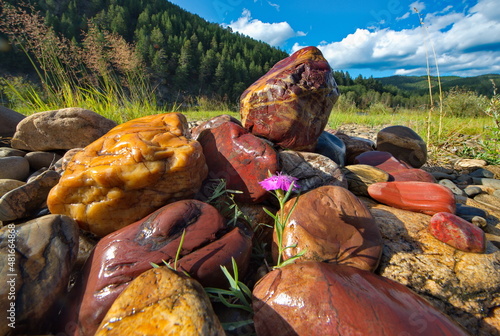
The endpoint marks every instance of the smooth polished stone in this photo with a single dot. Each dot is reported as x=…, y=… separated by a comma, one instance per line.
x=404, y=144
x=360, y=176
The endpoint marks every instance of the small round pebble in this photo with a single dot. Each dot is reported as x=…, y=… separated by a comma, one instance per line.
x=452, y=186
x=482, y=172
x=14, y=167
x=472, y=191
x=479, y=221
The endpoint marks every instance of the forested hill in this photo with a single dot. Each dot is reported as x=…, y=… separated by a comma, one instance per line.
x=419, y=84
x=188, y=54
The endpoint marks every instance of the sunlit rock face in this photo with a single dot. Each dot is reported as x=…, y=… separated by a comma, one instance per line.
x=290, y=104
x=134, y=169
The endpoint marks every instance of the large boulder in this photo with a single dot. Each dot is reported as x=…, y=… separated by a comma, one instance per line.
x=60, y=129
x=290, y=104
x=314, y=298
x=330, y=224
x=134, y=169
x=465, y=286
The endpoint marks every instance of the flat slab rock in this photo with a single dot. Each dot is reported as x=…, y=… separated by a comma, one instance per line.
x=341, y=300
x=465, y=286
x=131, y=171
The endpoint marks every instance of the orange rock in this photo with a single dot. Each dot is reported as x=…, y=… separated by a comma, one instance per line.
x=424, y=197
x=134, y=169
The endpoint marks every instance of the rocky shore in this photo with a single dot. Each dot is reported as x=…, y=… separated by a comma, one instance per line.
x=387, y=241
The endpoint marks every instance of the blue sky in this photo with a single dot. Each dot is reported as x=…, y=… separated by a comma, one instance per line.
x=373, y=38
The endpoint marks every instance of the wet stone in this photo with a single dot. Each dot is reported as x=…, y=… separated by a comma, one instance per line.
x=332, y=147
x=457, y=232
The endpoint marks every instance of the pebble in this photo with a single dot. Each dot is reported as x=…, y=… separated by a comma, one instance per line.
x=404, y=144
x=482, y=172
x=39, y=160
x=452, y=186
x=441, y=176
x=469, y=163
x=457, y=232
x=472, y=191
x=479, y=221
x=487, y=182
x=14, y=167
x=469, y=212
x=7, y=151
x=7, y=185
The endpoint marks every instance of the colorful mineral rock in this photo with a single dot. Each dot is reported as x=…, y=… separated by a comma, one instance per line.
x=290, y=104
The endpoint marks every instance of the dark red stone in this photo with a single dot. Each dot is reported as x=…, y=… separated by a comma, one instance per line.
x=239, y=157
x=428, y=198
x=457, y=232
x=331, y=225
x=413, y=174
x=121, y=256
x=290, y=104
x=381, y=160
x=212, y=123
x=314, y=298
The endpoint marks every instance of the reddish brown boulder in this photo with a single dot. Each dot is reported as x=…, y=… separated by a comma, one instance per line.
x=212, y=123
x=404, y=143
x=239, y=157
x=424, y=197
x=332, y=225
x=382, y=160
x=121, y=256
x=290, y=104
x=457, y=232
x=313, y=298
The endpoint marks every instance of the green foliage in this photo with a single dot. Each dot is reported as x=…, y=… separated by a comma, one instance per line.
x=463, y=103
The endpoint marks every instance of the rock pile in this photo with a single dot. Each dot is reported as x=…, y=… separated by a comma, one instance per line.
x=386, y=244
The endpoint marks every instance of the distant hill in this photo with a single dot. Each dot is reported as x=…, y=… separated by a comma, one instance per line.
x=419, y=85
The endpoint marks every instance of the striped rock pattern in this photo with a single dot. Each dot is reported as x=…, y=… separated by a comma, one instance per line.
x=290, y=104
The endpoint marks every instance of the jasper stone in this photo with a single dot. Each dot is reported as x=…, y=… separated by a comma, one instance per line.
x=134, y=169
x=354, y=146
x=25, y=200
x=457, y=232
x=311, y=169
x=212, y=123
x=14, y=167
x=382, y=160
x=239, y=157
x=314, y=298
x=360, y=176
x=332, y=225
x=428, y=198
x=161, y=301
x=332, y=147
x=60, y=129
x=404, y=143
x=290, y=104
x=412, y=174
x=36, y=263
x=121, y=256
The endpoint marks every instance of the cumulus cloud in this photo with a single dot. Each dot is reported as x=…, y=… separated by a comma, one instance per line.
x=465, y=44
x=273, y=33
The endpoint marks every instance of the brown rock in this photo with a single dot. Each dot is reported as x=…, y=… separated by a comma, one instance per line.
x=60, y=129
x=404, y=144
x=332, y=225
x=290, y=105
x=354, y=146
x=239, y=157
x=360, y=176
x=7, y=185
x=161, y=302
x=341, y=300
x=131, y=171
x=312, y=170
x=37, y=258
x=212, y=123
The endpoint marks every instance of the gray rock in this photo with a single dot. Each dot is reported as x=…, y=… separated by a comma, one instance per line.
x=14, y=167
x=7, y=185
x=7, y=151
x=39, y=160
x=404, y=144
x=441, y=176
x=23, y=201
x=472, y=191
x=41, y=255
x=482, y=172
x=313, y=170
x=60, y=129
x=487, y=182
x=10, y=119
x=452, y=186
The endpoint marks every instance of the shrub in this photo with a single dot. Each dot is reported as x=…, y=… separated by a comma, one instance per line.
x=464, y=103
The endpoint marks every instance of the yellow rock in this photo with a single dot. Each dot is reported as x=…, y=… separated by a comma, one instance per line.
x=134, y=169
x=161, y=302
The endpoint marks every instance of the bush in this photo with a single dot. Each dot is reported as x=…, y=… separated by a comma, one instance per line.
x=463, y=103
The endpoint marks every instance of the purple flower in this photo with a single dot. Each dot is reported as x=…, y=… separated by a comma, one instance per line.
x=279, y=181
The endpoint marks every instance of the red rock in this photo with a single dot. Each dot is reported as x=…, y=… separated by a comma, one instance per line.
x=457, y=232
x=332, y=225
x=241, y=158
x=428, y=198
x=413, y=174
x=121, y=256
x=290, y=104
x=381, y=160
x=314, y=298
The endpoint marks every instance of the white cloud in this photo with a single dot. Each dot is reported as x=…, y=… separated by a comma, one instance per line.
x=464, y=43
x=420, y=6
x=273, y=33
